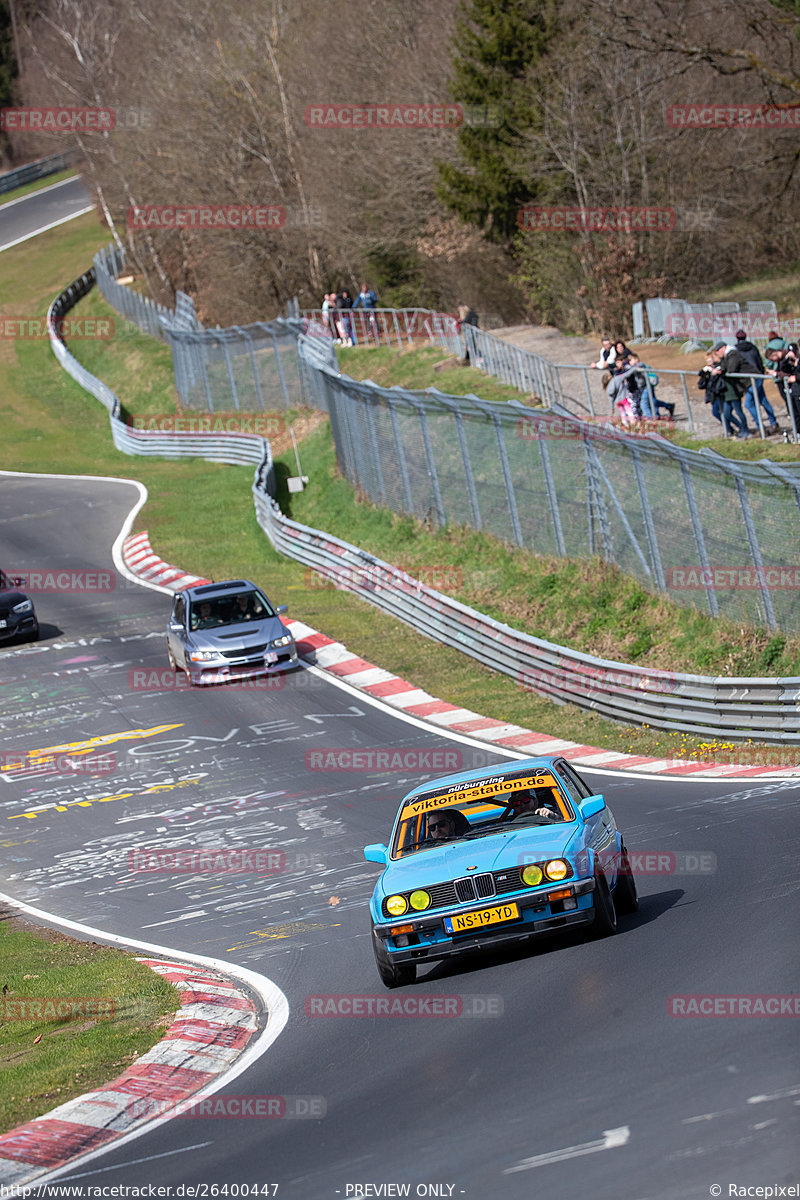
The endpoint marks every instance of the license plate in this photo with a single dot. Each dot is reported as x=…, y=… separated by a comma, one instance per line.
x=484, y=916
x=3, y=624
x=271, y=657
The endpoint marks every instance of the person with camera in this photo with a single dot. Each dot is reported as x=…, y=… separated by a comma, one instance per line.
x=785, y=370
x=728, y=362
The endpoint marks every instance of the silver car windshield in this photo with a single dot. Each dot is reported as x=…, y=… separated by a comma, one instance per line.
x=250, y=605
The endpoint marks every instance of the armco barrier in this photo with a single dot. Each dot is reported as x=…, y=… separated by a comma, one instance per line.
x=768, y=709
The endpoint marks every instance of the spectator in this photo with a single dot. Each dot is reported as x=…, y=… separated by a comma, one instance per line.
x=617, y=392
x=466, y=316
x=606, y=360
x=328, y=308
x=785, y=370
x=644, y=400
x=344, y=303
x=621, y=353
x=727, y=361
x=713, y=386
x=368, y=300
x=776, y=349
x=751, y=357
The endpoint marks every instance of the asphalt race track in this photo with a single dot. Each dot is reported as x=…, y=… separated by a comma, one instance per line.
x=52, y=205
x=580, y=1082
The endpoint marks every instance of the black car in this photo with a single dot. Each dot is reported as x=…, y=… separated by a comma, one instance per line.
x=17, y=614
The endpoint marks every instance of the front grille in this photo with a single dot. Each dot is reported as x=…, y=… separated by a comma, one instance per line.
x=442, y=894
x=507, y=881
x=465, y=890
x=247, y=652
x=484, y=886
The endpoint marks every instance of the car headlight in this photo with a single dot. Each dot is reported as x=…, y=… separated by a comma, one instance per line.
x=396, y=905
x=282, y=641
x=557, y=869
x=420, y=900
x=202, y=655
x=531, y=875
x=23, y=607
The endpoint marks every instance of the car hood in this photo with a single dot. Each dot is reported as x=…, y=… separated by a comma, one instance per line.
x=239, y=637
x=9, y=599
x=493, y=852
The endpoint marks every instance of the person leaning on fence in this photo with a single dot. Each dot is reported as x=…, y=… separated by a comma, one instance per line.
x=617, y=392
x=466, y=316
x=606, y=360
x=785, y=370
x=713, y=386
x=777, y=349
x=751, y=356
x=727, y=361
x=368, y=300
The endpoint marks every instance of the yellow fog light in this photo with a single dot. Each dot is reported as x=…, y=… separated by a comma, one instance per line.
x=531, y=875
x=557, y=869
x=420, y=900
x=396, y=905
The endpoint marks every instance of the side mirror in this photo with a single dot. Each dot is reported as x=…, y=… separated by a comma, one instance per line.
x=377, y=852
x=591, y=806
x=281, y=609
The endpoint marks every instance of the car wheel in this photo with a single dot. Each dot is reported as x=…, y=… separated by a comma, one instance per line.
x=605, y=914
x=626, y=899
x=393, y=975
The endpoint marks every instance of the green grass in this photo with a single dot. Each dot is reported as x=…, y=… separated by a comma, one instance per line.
x=36, y=186
x=48, y=1061
x=200, y=516
x=415, y=369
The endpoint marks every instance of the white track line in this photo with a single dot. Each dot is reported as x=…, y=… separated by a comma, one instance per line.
x=270, y=995
x=44, y=228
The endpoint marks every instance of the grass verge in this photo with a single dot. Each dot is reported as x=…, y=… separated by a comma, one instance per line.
x=51, y=424
x=48, y=1061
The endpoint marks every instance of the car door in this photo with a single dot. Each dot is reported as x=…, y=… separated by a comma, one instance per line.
x=176, y=632
x=600, y=832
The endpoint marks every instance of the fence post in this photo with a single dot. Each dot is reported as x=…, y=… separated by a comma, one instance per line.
x=755, y=549
x=431, y=463
x=279, y=365
x=399, y=448
x=699, y=539
x=597, y=514
x=368, y=402
x=647, y=516
x=469, y=478
x=509, y=483
x=552, y=496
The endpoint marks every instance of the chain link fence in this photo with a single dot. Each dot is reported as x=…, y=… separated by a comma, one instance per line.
x=707, y=531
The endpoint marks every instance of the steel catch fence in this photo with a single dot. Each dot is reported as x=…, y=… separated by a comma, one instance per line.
x=734, y=707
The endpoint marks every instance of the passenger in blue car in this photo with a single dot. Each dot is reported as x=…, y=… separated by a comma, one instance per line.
x=538, y=802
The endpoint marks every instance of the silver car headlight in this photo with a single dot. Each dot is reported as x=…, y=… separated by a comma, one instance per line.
x=203, y=655
x=23, y=607
x=282, y=641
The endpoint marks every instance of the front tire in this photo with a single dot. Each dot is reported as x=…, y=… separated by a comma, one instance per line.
x=393, y=975
x=626, y=899
x=605, y=914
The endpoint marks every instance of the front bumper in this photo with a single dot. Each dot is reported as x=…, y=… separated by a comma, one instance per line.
x=227, y=672
x=537, y=916
x=18, y=625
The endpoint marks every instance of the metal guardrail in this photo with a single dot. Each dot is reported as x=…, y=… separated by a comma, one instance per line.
x=382, y=326
x=35, y=170
x=569, y=385
x=139, y=310
x=727, y=708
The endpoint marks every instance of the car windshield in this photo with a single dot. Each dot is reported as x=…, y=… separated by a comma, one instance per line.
x=232, y=609
x=478, y=808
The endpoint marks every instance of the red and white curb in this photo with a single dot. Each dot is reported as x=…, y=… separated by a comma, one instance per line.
x=392, y=690
x=212, y=1027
